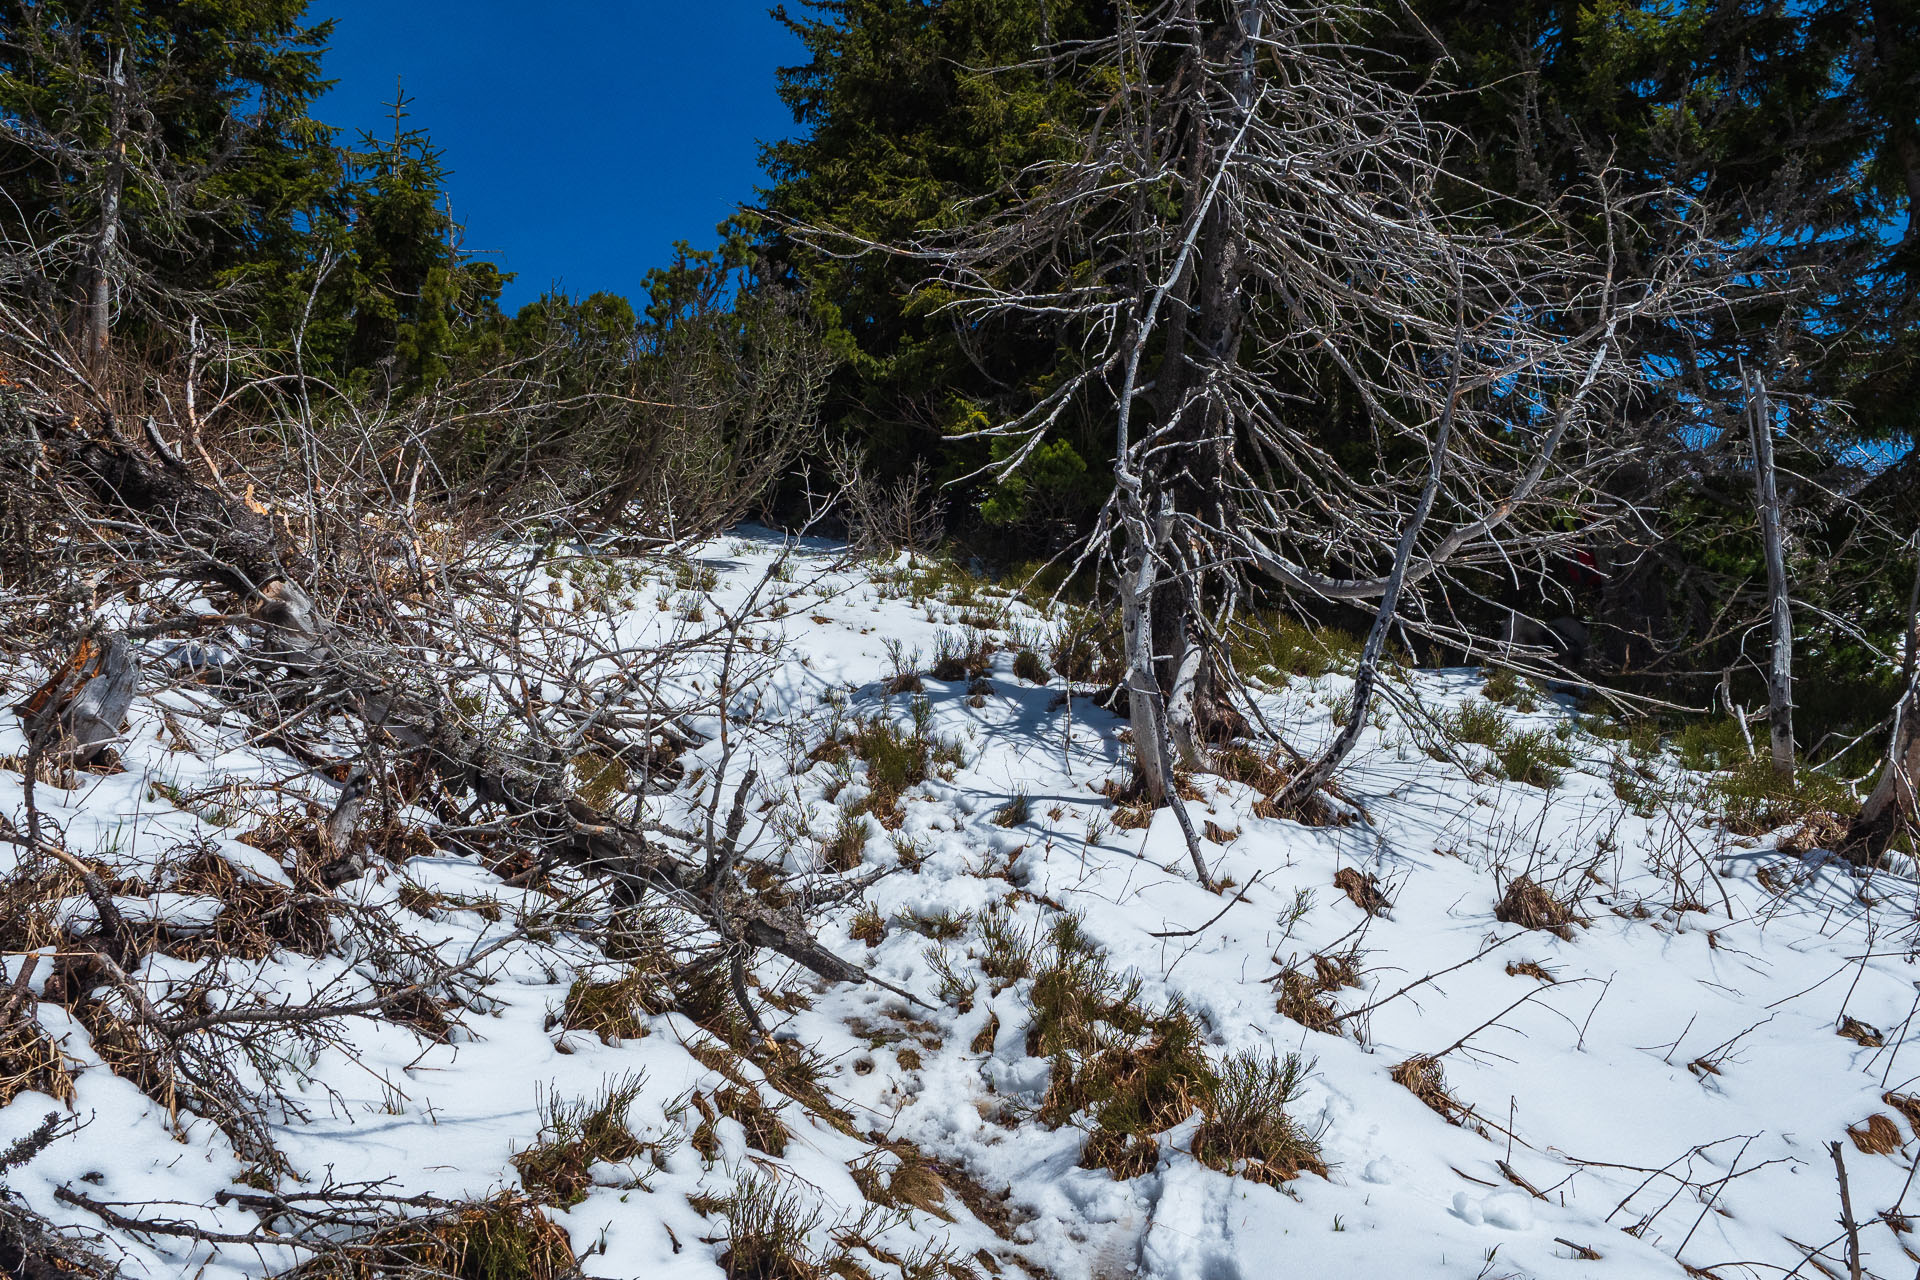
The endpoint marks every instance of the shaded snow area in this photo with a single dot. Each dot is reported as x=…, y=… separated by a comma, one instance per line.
x=1649, y=1090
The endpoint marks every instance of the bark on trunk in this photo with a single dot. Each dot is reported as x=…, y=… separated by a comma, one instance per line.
x=96, y=304
x=82, y=706
x=1140, y=572
x=1780, y=669
x=1893, y=798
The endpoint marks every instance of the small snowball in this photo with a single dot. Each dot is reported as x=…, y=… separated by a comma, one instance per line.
x=1467, y=1209
x=1379, y=1169
x=1509, y=1211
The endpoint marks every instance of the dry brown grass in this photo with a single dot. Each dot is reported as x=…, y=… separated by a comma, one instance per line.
x=1820, y=830
x=30, y=1060
x=1246, y=1130
x=869, y=926
x=1362, y=889
x=846, y=847
x=1877, y=1135
x=741, y=1102
x=614, y=1010
x=1423, y=1077
x=1306, y=997
x=913, y=1181
x=506, y=1238
x=983, y=1041
x=1860, y=1033
x=1907, y=1105
x=1528, y=905
x=1528, y=969
x=257, y=917
x=574, y=1137
x=1260, y=770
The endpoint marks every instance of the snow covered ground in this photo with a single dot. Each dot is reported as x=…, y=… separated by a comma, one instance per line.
x=1651, y=1093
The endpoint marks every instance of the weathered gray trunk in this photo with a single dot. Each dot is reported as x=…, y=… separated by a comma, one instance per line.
x=94, y=717
x=1780, y=668
x=1184, y=731
x=1139, y=577
x=80, y=709
x=1896, y=794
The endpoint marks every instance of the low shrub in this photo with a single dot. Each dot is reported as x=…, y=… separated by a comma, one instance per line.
x=1753, y=799
x=1478, y=721
x=1512, y=690
x=1278, y=644
x=1245, y=1129
x=575, y=1136
x=1535, y=758
x=614, y=1009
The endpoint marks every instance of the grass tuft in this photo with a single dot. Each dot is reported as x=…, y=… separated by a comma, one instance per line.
x=1754, y=800
x=1275, y=644
x=1511, y=690
x=1246, y=1129
x=1014, y=812
x=1307, y=997
x=846, y=847
x=614, y=1010
x=575, y=1136
x=869, y=926
x=769, y=1233
x=1535, y=758
x=1422, y=1076
x=1528, y=905
x=1362, y=889
x=504, y=1238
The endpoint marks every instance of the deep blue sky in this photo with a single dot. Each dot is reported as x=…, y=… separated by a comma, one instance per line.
x=584, y=136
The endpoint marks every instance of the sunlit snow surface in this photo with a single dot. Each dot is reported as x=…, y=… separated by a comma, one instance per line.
x=1584, y=1091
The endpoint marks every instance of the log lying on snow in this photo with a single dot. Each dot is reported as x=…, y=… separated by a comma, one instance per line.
x=231, y=546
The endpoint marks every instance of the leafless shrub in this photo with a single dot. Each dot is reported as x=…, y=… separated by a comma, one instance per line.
x=881, y=515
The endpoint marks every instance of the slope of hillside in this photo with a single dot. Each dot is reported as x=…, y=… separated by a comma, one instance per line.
x=1080, y=1064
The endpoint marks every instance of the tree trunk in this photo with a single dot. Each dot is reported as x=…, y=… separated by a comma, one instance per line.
x=1767, y=494
x=1316, y=775
x=1893, y=797
x=96, y=303
x=82, y=705
x=1197, y=710
x=1139, y=576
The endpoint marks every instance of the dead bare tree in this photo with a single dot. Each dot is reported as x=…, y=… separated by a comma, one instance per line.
x=129, y=202
x=1767, y=497
x=1256, y=225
